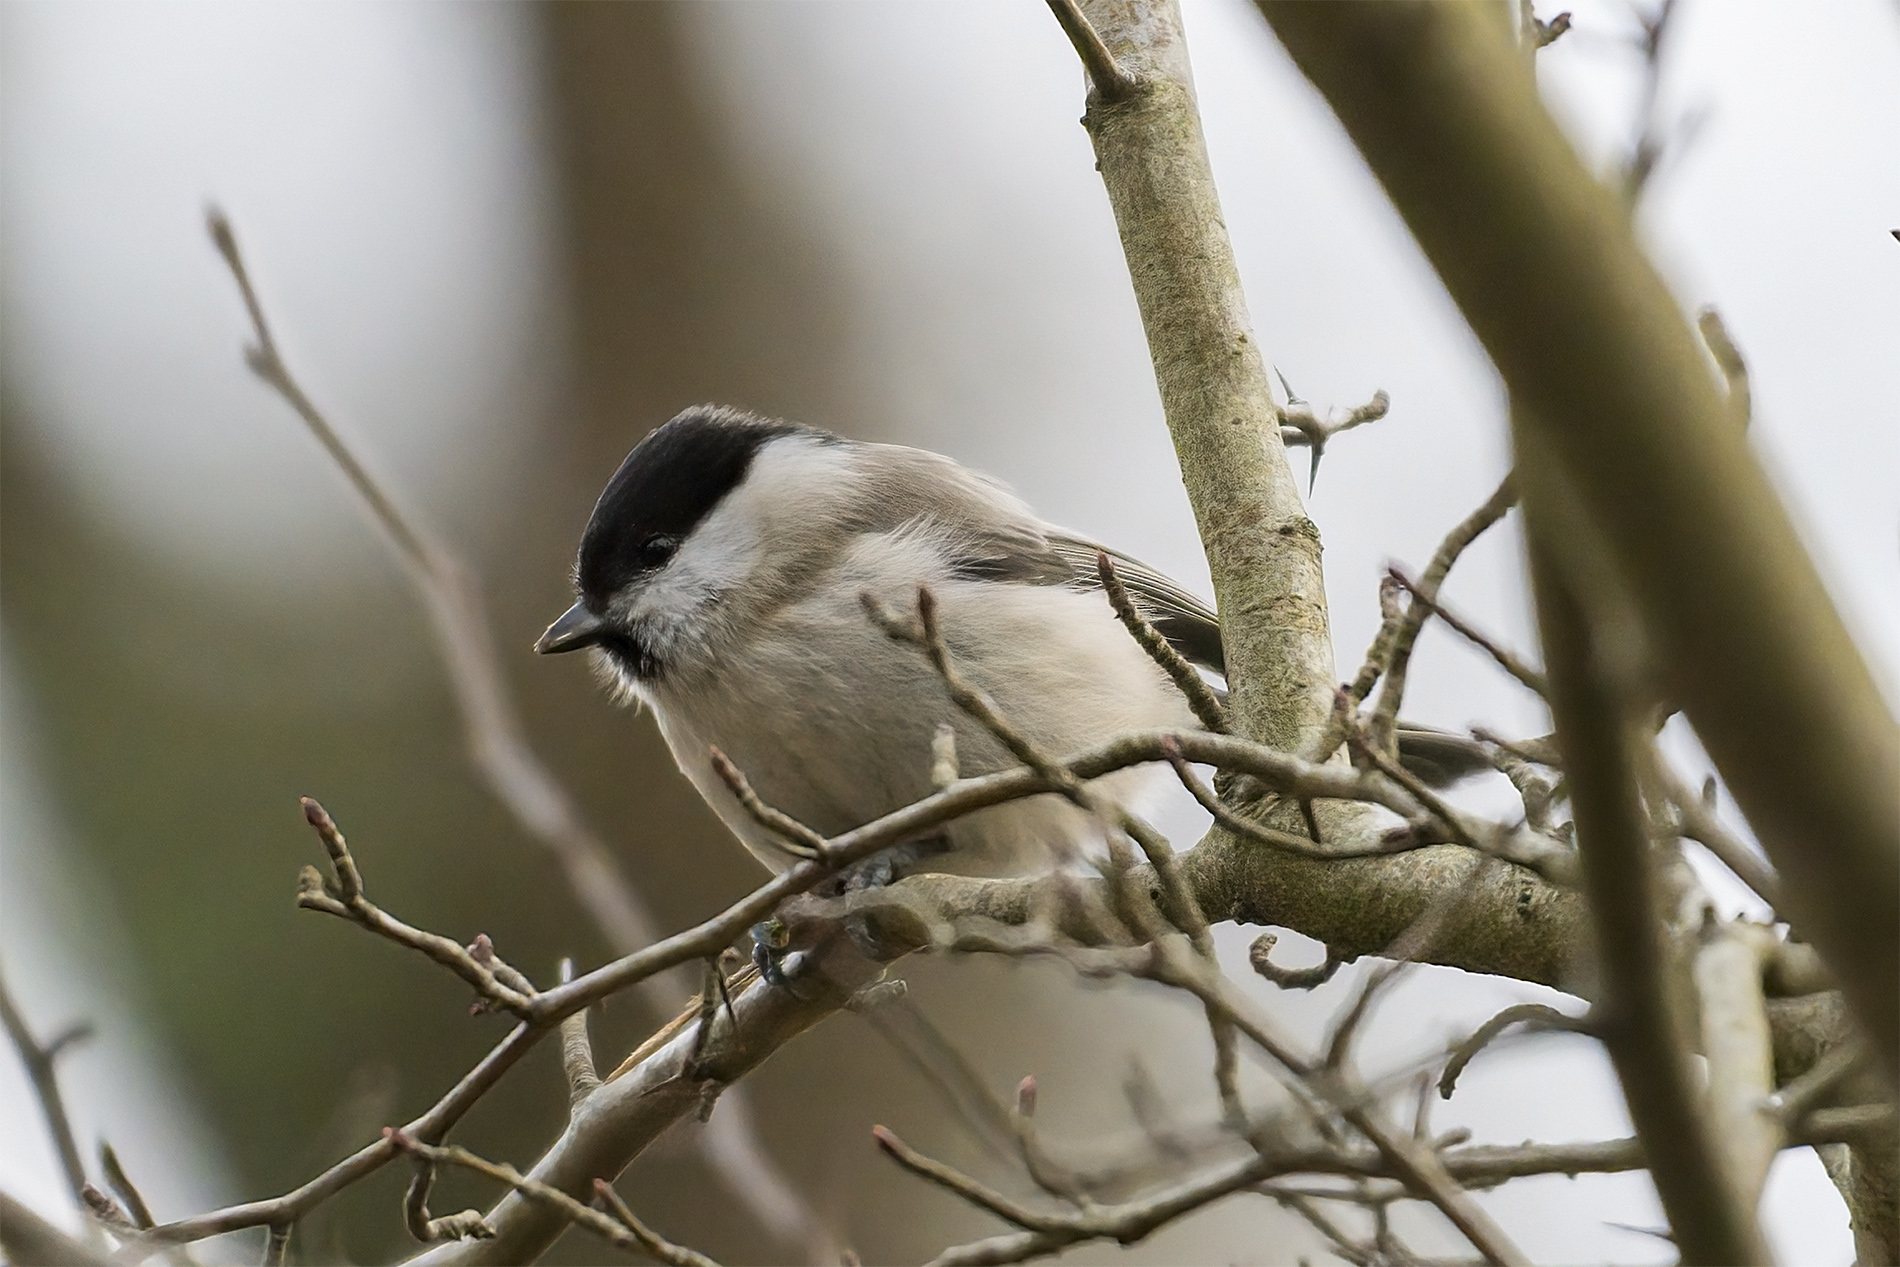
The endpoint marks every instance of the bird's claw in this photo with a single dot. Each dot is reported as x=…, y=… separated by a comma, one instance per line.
x=771, y=944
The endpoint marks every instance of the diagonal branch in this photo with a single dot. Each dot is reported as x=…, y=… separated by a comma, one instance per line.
x=40, y=1064
x=1609, y=378
x=1262, y=549
x=497, y=742
x=1505, y=658
x=1641, y=1020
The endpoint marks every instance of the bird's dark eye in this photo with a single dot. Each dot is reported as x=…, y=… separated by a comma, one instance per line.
x=653, y=553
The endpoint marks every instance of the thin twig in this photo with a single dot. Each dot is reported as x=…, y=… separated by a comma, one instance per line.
x=1260, y=959
x=345, y=899
x=135, y=1204
x=1200, y=696
x=1795, y=1098
x=910, y=1032
x=40, y=1062
x=493, y=732
x=428, y=1229
x=1110, y=80
x=1273, y=836
x=1698, y=821
x=1505, y=658
x=577, y=1050
x=787, y=832
x=116, y=1179
x=651, y=1241
x=1300, y=427
x=1729, y=359
x=1533, y=1016
x=619, y=1234
x=1398, y=649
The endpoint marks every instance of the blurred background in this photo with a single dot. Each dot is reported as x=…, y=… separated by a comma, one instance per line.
x=499, y=243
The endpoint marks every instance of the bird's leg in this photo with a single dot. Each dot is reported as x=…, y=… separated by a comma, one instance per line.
x=771, y=939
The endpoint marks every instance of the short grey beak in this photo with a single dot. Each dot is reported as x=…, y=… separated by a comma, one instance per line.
x=576, y=628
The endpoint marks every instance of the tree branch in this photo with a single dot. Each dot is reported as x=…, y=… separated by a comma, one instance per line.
x=1639, y=1018
x=1262, y=550
x=40, y=1064
x=497, y=742
x=1545, y=267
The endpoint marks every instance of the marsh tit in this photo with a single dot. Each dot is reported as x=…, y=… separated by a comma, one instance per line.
x=722, y=582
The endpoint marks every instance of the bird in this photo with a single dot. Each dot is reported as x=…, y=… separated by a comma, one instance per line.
x=722, y=582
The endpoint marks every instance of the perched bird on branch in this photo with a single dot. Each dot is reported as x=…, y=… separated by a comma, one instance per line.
x=723, y=581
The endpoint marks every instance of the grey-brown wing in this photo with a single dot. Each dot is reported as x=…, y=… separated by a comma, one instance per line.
x=997, y=538
x=1005, y=547
x=1177, y=615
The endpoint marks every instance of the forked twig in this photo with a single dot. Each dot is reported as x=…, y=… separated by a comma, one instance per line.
x=1505, y=658
x=40, y=1061
x=495, y=738
x=613, y=1230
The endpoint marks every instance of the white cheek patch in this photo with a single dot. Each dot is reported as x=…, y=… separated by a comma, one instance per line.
x=784, y=486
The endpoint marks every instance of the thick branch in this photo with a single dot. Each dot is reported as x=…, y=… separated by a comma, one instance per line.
x=1740, y=1053
x=30, y=1241
x=1545, y=266
x=621, y=1117
x=1261, y=548
x=1639, y=1019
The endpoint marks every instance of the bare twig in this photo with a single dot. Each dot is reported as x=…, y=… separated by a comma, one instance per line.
x=283, y=1211
x=788, y=833
x=40, y=1062
x=1046, y=1231
x=1260, y=958
x=577, y=1049
x=1533, y=1016
x=415, y=1210
x=1391, y=843
x=496, y=740
x=1793, y=1099
x=1535, y=34
x=1728, y=358
x=1505, y=658
x=1651, y=143
x=1394, y=658
x=614, y=1231
x=651, y=1241
x=1698, y=821
x=910, y=1032
x=1110, y=80
x=141, y=1213
x=1200, y=696
x=345, y=899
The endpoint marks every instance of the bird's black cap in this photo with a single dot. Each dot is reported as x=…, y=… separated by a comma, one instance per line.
x=671, y=480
